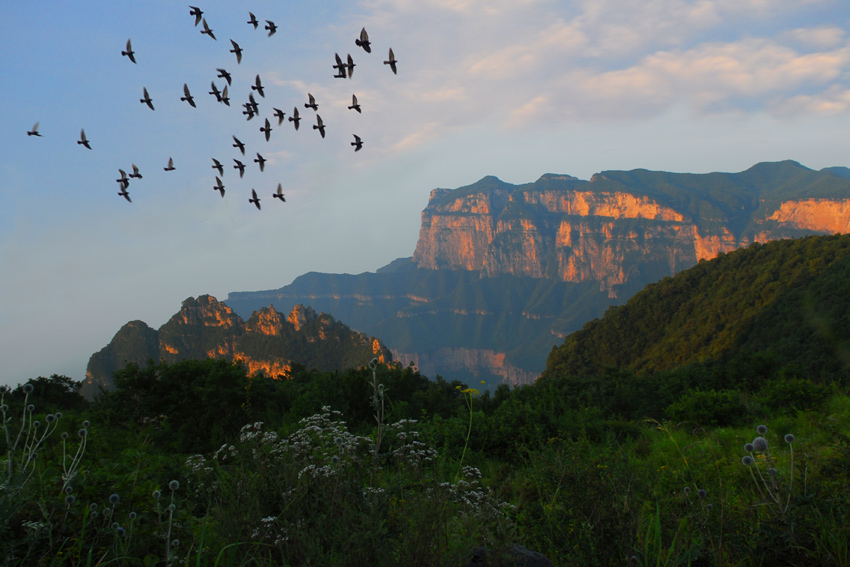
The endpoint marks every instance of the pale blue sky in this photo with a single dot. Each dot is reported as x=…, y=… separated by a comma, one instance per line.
x=512, y=88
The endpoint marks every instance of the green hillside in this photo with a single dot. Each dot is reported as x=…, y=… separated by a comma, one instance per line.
x=789, y=298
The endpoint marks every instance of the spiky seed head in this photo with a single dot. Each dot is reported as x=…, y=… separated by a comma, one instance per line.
x=761, y=429
x=760, y=444
x=36, y=424
x=69, y=499
x=748, y=448
x=132, y=515
x=747, y=460
x=115, y=525
x=28, y=388
x=30, y=408
x=789, y=438
x=171, y=507
x=120, y=531
x=64, y=435
x=69, y=489
x=334, y=459
x=687, y=490
x=156, y=494
x=771, y=471
x=82, y=433
x=114, y=498
x=93, y=506
x=107, y=512
x=58, y=415
x=709, y=507
x=173, y=485
x=702, y=493
x=50, y=418
x=86, y=424
x=175, y=543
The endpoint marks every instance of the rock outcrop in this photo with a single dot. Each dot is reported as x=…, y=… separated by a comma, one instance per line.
x=267, y=342
x=502, y=272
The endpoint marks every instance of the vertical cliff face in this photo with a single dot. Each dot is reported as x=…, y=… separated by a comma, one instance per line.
x=267, y=342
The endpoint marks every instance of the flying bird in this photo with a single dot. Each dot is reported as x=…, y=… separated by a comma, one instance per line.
x=295, y=119
x=217, y=165
x=240, y=166
x=279, y=114
x=253, y=20
x=311, y=102
x=123, y=192
x=254, y=199
x=83, y=141
x=357, y=143
x=215, y=92
x=279, y=194
x=350, y=66
x=146, y=98
x=34, y=131
x=135, y=174
x=237, y=50
x=219, y=186
x=123, y=180
x=319, y=125
x=207, y=29
x=195, y=11
x=222, y=74
x=354, y=104
x=258, y=86
x=187, y=96
x=267, y=129
x=392, y=61
x=224, y=96
x=340, y=67
x=249, y=110
x=271, y=27
x=239, y=145
x=170, y=166
x=253, y=102
x=260, y=160
x=364, y=41
x=129, y=53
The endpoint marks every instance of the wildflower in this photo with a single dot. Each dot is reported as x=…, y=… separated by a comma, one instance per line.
x=50, y=418
x=175, y=543
x=132, y=515
x=64, y=435
x=760, y=444
x=69, y=489
x=748, y=448
x=69, y=499
x=30, y=408
x=120, y=531
x=687, y=490
x=86, y=423
x=114, y=498
x=82, y=433
x=36, y=424
x=702, y=493
x=58, y=415
x=93, y=506
x=747, y=460
x=173, y=485
x=28, y=388
x=761, y=429
x=789, y=438
x=156, y=494
x=115, y=525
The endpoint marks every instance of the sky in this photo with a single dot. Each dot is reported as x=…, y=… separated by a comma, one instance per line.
x=511, y=88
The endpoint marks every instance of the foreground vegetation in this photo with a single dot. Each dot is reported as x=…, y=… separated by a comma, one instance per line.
x=196, y=464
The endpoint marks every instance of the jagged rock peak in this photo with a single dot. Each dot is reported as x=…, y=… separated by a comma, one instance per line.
x=267, y=321
x=301, y=315
x=206, y=310
x=556, y=177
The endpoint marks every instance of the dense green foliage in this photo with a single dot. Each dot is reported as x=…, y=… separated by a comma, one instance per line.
x=788, y=300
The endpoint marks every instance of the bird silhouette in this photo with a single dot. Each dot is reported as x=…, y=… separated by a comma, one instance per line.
x=187, y=96
x=279, y=194
x=195, y=11
x=222, y=74
x=267, y=129
x=224, y=96
x=364, y=41
x=129, y=53
x=135, y=174
x=357, y=143
x=319, y=125
x=207, y=29
x=340, y=67
x=253, y=102
x=253, y=20
x=238, y=144
x=311, y=102
x=295, y=119
x=279, y=114
x=350, y=66
x=271, y=27
x=215, y=92
x=124, y=181
x=170, y=166
x=240, y=166
x=354, y=104
x=260, y=160
x=217, y=165
x=123, y=192
x=258, y=86
x=254, y=199
x=34, y=131
x=392, y=62
x=249, y=110
x=83, y=141
x=237, y=50
x=219, y=186
x=146, y=98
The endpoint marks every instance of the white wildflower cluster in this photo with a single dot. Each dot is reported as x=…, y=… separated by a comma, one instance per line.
x=476, y=502
x=407, y=448
x=200, y=476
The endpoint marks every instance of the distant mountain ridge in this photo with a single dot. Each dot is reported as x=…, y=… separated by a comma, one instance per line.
x=267, y=342
x=501, y=273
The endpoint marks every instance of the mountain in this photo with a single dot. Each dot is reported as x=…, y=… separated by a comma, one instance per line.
x=790, y=297
x=501, y=273
x=267, y=342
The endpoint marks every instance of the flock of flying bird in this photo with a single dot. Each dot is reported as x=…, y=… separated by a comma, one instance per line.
x=344, y=69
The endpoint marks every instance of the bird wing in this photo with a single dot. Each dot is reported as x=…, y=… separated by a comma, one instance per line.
x=353, y=100
x=363, y=35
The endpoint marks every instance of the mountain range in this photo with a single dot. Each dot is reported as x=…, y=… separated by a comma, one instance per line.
x=502, y=273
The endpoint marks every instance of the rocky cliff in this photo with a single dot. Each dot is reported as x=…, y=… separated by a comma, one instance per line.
x=267, y=342
x=502, y=272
